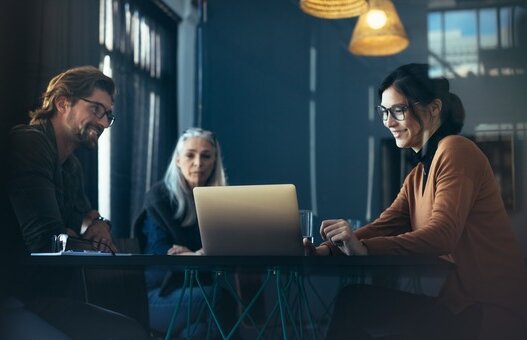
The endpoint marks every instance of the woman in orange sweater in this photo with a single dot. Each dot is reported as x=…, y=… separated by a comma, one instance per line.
x=449, y=206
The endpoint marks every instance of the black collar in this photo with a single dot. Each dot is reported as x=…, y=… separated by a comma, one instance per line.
x=426, y=154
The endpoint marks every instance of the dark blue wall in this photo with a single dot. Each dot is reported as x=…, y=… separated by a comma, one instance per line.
x=256, y=94
x=256, y=98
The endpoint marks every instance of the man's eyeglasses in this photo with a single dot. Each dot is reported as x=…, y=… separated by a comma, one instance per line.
x=99, y=111
x=398, y=111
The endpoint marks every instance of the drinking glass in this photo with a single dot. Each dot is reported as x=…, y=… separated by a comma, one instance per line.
x=306, y=224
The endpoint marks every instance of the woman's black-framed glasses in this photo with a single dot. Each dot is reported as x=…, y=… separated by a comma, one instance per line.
x=397, y=111
x=99, y=110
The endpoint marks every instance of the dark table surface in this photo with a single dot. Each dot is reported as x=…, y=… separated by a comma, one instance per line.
x=306, y=264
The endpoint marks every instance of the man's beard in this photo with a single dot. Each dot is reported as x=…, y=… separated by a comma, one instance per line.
x=88, y=136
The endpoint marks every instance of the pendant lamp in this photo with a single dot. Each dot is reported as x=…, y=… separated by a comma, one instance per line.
x=334, y=9
x=379, y=31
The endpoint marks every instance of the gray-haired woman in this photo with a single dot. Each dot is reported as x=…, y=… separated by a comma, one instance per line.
x=168, y=223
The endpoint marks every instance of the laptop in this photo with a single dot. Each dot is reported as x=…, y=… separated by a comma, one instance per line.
x=249, y=220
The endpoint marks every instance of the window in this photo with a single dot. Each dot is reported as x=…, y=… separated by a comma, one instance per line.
x=482, y=42
x=138, y=50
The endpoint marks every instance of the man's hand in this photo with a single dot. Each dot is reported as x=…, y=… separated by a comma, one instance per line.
x=71, y=232
x=99, y=233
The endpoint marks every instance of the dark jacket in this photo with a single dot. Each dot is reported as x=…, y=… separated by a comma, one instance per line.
x=158, y=229
x=46, y=197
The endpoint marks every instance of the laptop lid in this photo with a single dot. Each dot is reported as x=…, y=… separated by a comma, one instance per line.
x=255, y=220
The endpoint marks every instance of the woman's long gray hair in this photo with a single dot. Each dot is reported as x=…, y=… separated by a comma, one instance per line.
x=176, y=184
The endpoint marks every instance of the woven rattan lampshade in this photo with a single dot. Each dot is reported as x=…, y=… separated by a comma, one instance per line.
x=334, y=9
x=379, y=31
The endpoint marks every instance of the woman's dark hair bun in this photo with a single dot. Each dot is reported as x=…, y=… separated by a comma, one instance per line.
x=442, y=87
x=456, y=114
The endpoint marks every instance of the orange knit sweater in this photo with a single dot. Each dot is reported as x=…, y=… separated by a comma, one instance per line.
x=460, y=216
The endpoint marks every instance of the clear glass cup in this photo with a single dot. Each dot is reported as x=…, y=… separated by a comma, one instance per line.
x=306, y=224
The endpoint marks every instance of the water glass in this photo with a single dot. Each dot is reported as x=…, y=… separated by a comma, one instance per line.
x=306, y=224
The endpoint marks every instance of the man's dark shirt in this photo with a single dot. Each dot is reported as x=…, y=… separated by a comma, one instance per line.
x=46, y=197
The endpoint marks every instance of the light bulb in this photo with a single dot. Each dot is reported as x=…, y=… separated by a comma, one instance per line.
x=376, y=18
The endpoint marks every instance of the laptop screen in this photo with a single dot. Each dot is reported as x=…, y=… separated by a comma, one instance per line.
x=256, y=220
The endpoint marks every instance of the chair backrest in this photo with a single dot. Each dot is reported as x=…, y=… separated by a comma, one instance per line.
x=137, y=233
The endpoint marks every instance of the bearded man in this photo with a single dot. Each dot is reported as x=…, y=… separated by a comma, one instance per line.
x=46, y=182
x=46, y=193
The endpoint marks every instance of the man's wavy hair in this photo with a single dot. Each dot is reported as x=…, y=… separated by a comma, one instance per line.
x=74, y=83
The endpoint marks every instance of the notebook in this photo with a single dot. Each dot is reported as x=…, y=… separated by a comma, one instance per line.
x=250, y=220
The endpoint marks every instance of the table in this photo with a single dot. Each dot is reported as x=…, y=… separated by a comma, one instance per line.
x=285, y=273
x=306, y=264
